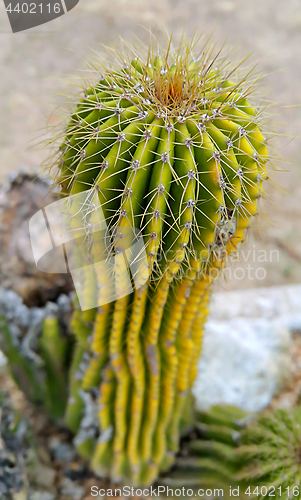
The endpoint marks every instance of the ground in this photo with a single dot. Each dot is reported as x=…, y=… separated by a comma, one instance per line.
x=34, y=66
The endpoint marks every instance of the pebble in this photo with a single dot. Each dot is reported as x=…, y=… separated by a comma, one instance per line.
x=41, y=495
x=61, y=451
x=69, y=488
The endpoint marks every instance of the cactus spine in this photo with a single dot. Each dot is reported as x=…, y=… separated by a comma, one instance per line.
x=172, y=147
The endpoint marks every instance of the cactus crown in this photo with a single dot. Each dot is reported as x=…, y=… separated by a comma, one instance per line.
x=173, y=148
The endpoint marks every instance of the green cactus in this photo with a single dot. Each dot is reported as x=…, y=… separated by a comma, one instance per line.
x=271, y=454
x=172, y=147
x=259, y=454
x=208, y=457
x=53, y=349
x=37, y=349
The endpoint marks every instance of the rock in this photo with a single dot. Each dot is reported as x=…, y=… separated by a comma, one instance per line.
x=63, y=452
x=272, y=302
x=243, y=363
x=69, y=488
x=39, y=474
x=41, y=495
x=22, y=495
x=26, y=195
x=3, y=362
x=13, y=450
x=247, y=344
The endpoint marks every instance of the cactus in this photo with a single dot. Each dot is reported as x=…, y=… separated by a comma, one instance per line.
x=34, y=341
x=168, y=150
x=208, y=457
x=259, y=454
x=271, y=454
x=172, y=148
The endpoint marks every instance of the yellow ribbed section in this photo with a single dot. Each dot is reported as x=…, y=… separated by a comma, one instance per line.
x=119, y=364
x=137, y=369
x=171, y=320
x=101, y=332
x=102, y=454
x=99, y=347
x=197, y=334
x=153, y=367
x=185, y=349
x=120, y=367
x=184, y=340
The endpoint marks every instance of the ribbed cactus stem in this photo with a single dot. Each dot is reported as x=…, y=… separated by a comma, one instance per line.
x=230, y=449
x=75, y=404
x=101, y=460
x=53, y=348
x=135, y=360
x=122, y=374
x=198, y=332
x=170, y=362
x=185, y=349
x=152, y=356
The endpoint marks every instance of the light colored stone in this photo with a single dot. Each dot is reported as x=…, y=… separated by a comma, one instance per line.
x=268, y=303
x=41, y=495
x=39, y=474
x=245, y=358
x=69, y=488
x=61, y=451
x=3, y=361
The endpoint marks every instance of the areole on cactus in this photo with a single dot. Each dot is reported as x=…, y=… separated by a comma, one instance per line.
x=173, y=150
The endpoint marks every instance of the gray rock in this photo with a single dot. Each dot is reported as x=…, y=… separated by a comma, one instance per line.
x=61, y=451
x=40, y=475
x=41, y=495
x=247, y=339
x=3, y=361
x=70, y=488
x=243, y=363
x=64, y=303
x=267, y=303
